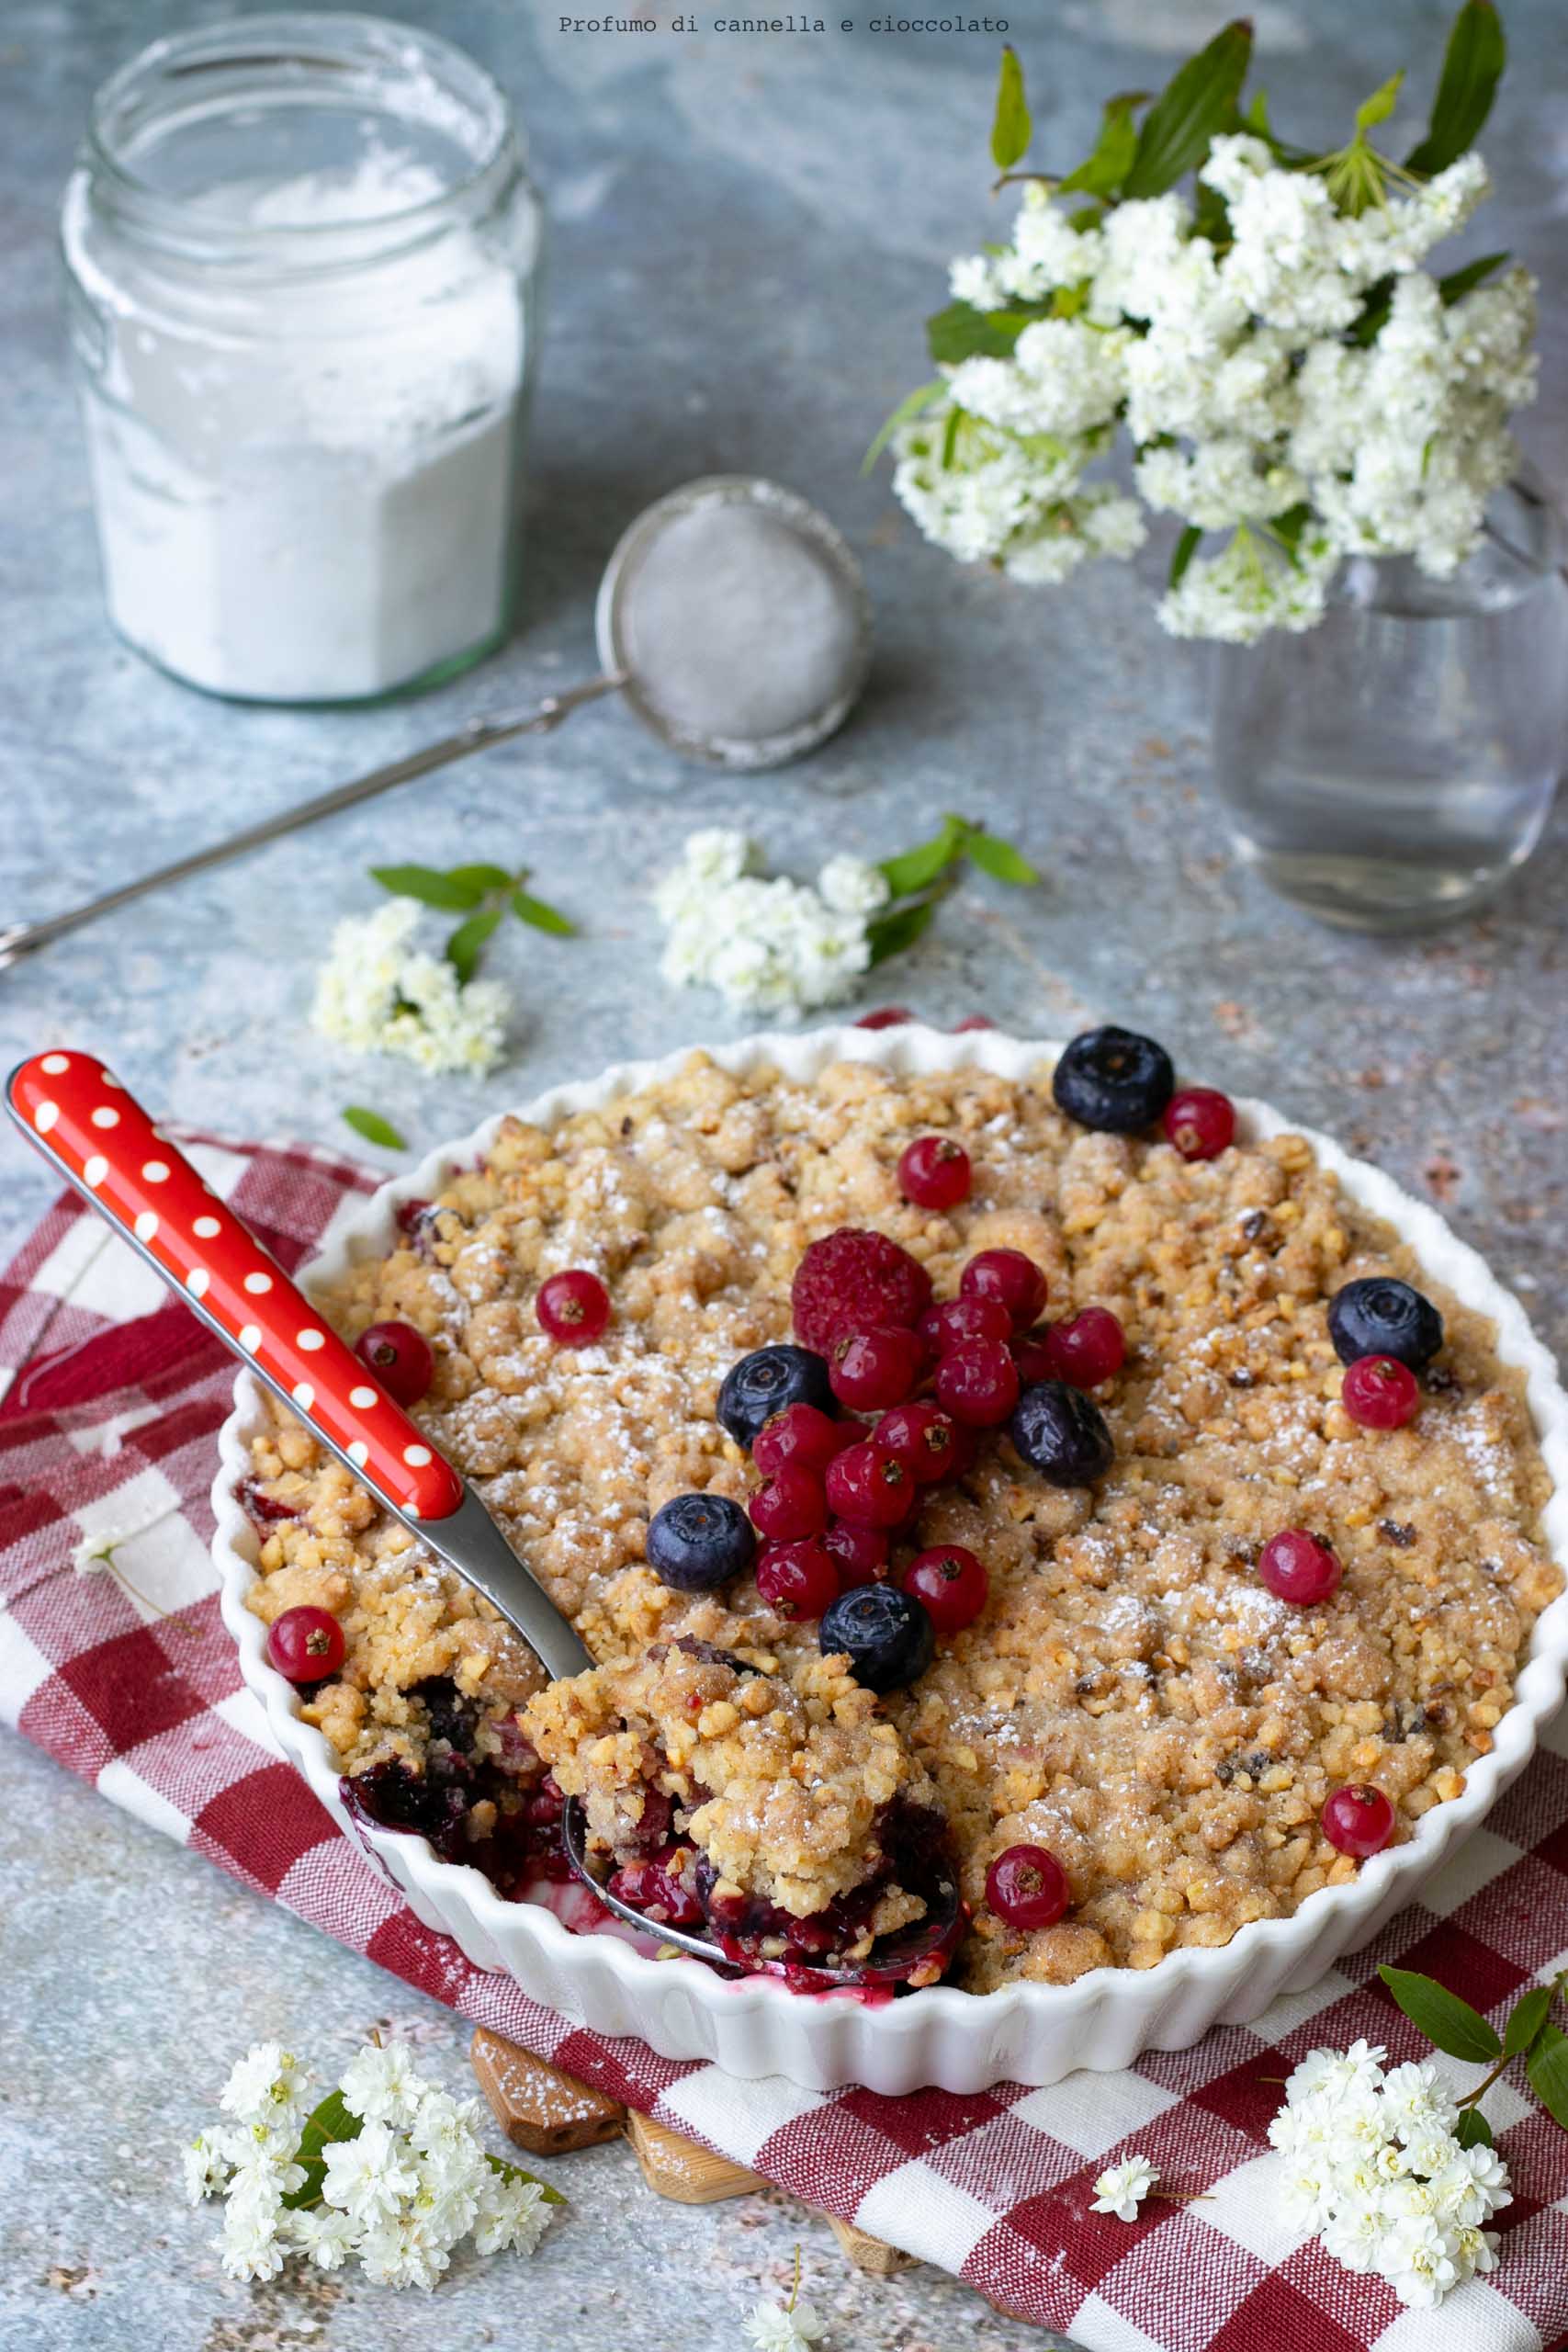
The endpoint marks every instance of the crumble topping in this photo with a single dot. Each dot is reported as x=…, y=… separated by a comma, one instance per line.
x=1131, y=1697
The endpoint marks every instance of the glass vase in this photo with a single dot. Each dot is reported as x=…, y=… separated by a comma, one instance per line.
x=1389, y=769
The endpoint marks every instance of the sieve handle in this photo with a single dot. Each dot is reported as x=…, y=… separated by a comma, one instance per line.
x=477, y=735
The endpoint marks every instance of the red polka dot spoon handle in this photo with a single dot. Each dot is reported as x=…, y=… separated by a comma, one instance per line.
x=81, y=1118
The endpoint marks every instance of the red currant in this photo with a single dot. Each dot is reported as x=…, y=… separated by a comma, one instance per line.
x=953, y=1583
x=797, y=1579
x=871, y=1369
x=858, y=1554
x=1200, y=1122
x=978, y=1384
x=887, y=1017
x=1032, y=1356
x=1087, y=1348
x=573, y=1307
x=789, y=1505
x=1028, y=1887
x=1381, y=1393
x=401, y=1359
x=971, y=1021
x=921, y=1437
x=873, y=1488
x=934, y=1172
x=958, y=1321
x=802, y=1435
x=306, y=1644
x=1358, y=1819
x=1009, y=1276
x=1299, y=1567
x=657, y=1889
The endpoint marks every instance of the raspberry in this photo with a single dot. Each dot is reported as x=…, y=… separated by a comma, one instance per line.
x=789, y=1505
x=1086, y=1348
x=798, y=1580
x=401, y=1359
x=959, y=1321
x=952, y=1584
x=922, y=1438
x=934, y=1172
x=858, y=1554
x=1200, y=1122
x=978, y=1384
x=852, y=1281
x=306, y=1644
x=872, y=1369
x=573, y=1307
x=1380, y=1393
x=1357, y=1819
x=803, y=1435
x=1298, y=1567
x=1009, y=1276
x=1028, y=1887
x=873, y=1490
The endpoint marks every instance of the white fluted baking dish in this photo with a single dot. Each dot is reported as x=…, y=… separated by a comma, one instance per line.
x=1031, y=2033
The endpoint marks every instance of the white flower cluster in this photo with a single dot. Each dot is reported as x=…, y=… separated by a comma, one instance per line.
x=377, y=993
x=768, y=944
x=777, y=2328
x=1372, y=2162
x=400, y=2195
x=1122, y=2188
x=1246, y=399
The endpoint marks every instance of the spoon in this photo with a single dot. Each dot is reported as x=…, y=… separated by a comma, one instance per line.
x=693, y=625
x=80, y=1117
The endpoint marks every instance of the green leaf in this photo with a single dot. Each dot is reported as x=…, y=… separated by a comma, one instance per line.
x=960, y=332
x=950, y=438
x=1197, y=101
x=1472, y=2131
x=511, y=2173
x=890, y=934
x=918, y=868
x=373, y=1127
x=326, y=2125
x=483, y=877
x=1446, y=2021
x=1102, y=173
x=1255, y=117
x=543, y=918
x=1380, y=106
x=999, y=859
x=1473, y=67
x=466, y=943
x=1186, y=548
x=913, y=404
x=1526, y=2018
x=1460, y=282
x=1011, y=130
x=1546, y=2068
x=1370, y=323
x=431, y=887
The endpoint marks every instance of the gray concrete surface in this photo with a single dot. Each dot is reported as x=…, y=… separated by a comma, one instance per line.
x=748, y=229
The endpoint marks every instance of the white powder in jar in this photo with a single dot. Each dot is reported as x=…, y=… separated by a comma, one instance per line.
x=304, y=475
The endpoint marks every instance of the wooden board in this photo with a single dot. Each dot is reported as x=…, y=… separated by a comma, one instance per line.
x=876, y=2258
x=538, y=2108
x=677, y=2167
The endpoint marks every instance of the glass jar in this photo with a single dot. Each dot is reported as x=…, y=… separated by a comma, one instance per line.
x=302, y=257
x=1389, y=769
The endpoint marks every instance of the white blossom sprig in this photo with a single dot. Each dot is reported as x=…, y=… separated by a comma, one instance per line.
x=1284, y=368
x=771, y=945
x=387, y=2166
x=1397, y=2175
x=792, y=2326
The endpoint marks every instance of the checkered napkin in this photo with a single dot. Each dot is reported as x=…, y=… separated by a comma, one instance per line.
x=110, y=1396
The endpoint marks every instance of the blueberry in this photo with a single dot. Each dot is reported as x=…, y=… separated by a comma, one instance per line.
x=767, y=1380
x=696, y=1542
x=1383, y=1318
x=886, y=1635
x=1062, y=1433
x=1114, y=1080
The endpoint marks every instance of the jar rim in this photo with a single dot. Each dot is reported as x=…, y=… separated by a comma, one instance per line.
x=331, y=40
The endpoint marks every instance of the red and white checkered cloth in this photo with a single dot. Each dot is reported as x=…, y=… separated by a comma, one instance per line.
x=110, y=1393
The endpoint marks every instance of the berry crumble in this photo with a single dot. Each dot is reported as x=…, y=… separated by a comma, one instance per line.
x=1112, y=1505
